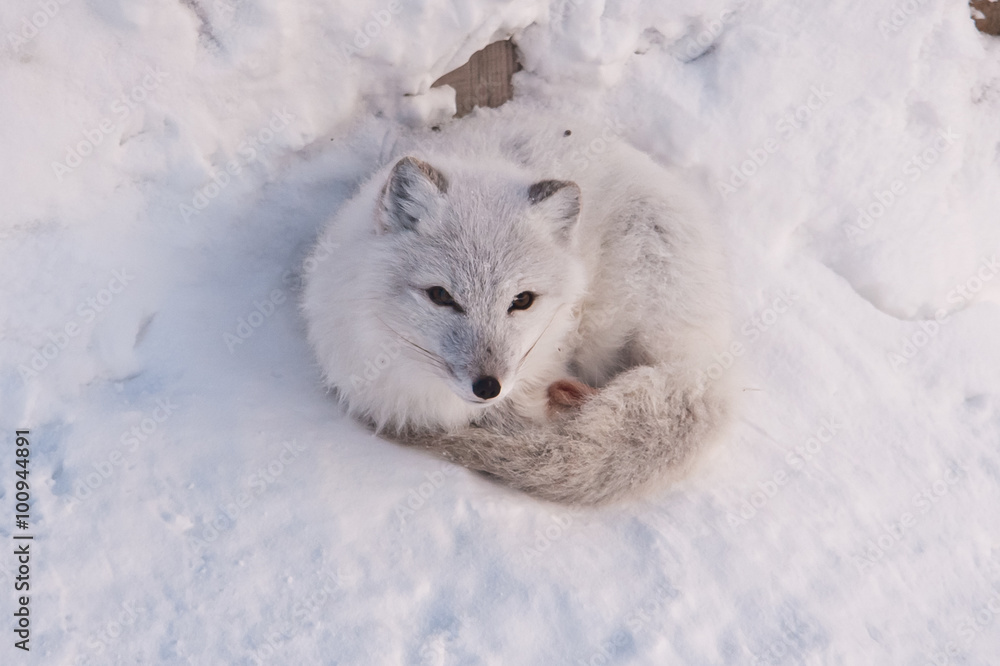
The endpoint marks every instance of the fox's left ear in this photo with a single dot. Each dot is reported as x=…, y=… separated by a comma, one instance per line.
x=558, y=200
x=415, y=191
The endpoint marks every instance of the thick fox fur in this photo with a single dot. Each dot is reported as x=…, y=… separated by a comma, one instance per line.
x=529, y=298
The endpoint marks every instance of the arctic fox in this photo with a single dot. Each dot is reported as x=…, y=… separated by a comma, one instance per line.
x=530, y=299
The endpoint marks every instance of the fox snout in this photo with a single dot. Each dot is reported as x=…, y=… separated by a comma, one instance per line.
x=485, y=381
x=486, y=388
x=480, y=365
x=480, y=386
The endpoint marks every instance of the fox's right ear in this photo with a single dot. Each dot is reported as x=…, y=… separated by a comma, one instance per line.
x=414, y=192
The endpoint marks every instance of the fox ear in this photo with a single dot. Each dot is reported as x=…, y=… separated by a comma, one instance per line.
x=559, y=200
x=414, y=191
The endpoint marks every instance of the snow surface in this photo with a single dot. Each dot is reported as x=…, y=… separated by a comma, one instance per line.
x=853, y=517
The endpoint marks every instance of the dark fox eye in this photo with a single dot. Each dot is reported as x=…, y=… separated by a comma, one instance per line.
x=440, y=296
x=522, y=301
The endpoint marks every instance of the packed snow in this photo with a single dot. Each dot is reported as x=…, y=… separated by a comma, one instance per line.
x=195, y=495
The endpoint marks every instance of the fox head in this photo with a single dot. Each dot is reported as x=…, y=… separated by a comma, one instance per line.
x=480, y=266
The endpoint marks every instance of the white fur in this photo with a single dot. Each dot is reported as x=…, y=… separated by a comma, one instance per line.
x=636, y=281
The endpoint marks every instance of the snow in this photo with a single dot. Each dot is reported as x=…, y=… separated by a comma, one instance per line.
x=199, y=500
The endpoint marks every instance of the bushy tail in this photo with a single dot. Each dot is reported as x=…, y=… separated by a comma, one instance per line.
x=645, y=423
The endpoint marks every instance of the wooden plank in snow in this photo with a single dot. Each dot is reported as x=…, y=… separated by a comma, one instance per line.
x=485, y=79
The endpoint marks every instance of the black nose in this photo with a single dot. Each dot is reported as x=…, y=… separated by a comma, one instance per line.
x=486, y=388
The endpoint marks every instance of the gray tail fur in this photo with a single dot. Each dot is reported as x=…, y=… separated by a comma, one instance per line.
x=644, y=424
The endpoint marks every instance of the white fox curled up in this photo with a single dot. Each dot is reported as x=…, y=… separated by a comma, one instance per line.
x=542, y=317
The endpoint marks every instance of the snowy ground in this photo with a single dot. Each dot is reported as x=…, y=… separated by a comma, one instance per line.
x=196, y=498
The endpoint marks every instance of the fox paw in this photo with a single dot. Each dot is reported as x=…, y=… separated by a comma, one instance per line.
x=568, y=394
